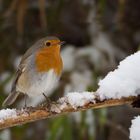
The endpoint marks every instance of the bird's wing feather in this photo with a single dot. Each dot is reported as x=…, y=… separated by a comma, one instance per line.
x=20, y=70
x=23, y=63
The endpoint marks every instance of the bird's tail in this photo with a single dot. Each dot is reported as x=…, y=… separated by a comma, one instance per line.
x=10, y=99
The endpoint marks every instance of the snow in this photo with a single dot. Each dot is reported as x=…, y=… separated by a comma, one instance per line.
x=63, y=103
x=7, y=113
x=135, y=129
x=55, y=108
x=122, y=82
x=77, y=99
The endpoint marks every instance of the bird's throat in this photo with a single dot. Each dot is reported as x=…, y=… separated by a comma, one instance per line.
x=49, y=58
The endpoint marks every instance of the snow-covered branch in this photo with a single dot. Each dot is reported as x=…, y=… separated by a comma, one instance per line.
x=119, y=87
x=73, y=102
x=134, y=129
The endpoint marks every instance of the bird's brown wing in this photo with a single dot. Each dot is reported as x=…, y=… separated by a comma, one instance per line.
x=14, y=94
x=21, y=68
x=16, y=77
x=23, y=63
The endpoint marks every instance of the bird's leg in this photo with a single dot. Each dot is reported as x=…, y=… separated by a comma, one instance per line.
x=28, y=109
x=48, y=101
x=51, y=104
x=25, y=102
x=25, y=99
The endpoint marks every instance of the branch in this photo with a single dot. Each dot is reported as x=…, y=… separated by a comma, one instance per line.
x=37, y=113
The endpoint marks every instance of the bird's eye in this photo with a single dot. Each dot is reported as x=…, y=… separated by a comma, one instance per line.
x=48, y=43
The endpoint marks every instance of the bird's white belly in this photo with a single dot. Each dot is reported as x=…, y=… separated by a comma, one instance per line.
x=40, y=83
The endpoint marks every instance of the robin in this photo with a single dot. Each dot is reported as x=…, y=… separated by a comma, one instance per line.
x=39, y=70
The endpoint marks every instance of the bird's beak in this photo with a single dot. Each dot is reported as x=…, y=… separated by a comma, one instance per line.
x=62, y=43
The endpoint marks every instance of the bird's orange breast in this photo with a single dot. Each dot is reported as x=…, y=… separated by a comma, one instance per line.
x=48, y=58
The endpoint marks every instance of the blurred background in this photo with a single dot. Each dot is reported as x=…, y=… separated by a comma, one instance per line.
x=99, y=34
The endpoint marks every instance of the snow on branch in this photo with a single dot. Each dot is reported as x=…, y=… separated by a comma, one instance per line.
x=119, y=87
x=123, y=81
x=134, y=130
x=73, y=102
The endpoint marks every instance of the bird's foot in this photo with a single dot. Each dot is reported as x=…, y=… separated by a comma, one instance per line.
x=29, y=109
x=47, y=103
x=50, y=107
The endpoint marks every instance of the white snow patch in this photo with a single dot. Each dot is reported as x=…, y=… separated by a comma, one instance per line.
x=122, y=82
x=77, y=99
x=7, y=113
x=55, y=108
x=63, y=103
x=135, y=129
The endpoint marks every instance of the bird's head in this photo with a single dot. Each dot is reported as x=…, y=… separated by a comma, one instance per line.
x=48, y=56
